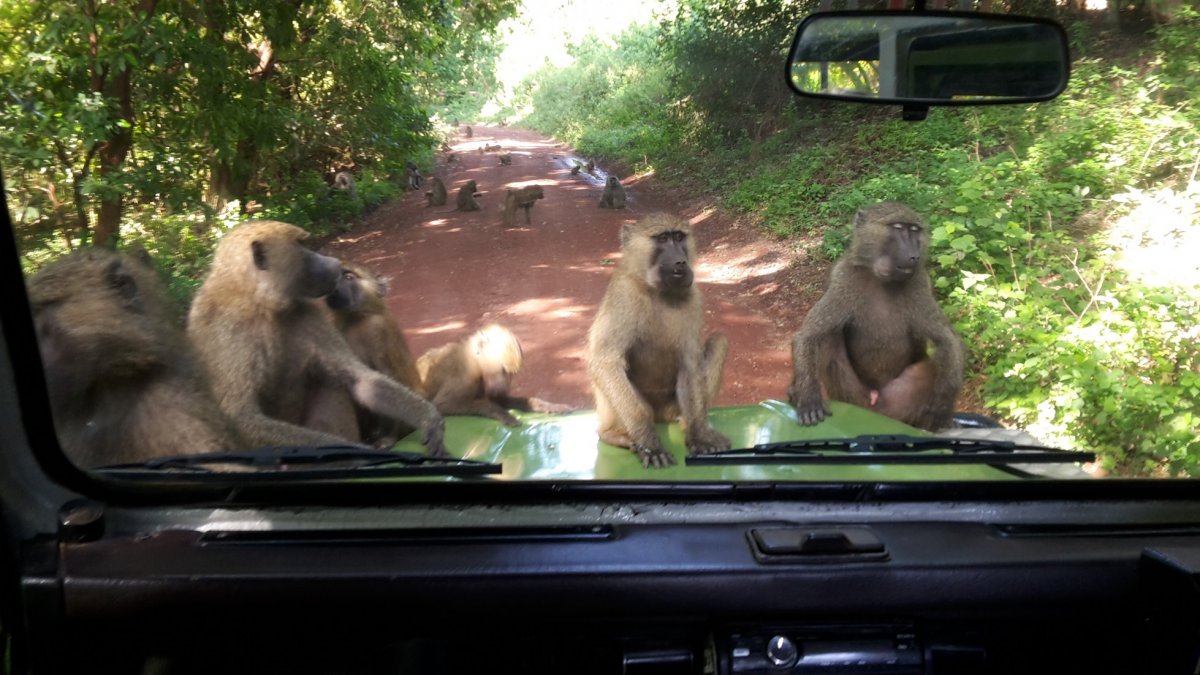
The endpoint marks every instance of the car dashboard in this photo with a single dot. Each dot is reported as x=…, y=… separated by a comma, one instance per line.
x=653, y=587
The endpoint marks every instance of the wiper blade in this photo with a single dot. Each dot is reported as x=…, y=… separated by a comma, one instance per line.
x=359, y=458
x=892, y=449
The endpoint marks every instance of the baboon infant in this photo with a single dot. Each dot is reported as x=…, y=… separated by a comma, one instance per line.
x=436, y=194
x=866, y=341
x=358, y=311
x=474, y=377
x=466, y=197
x=266, y=344
x=614, y=194
x=520, y=198
x=123, y=385
x=645, y=355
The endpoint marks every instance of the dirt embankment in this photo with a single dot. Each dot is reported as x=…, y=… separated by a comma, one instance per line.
x=450, y=271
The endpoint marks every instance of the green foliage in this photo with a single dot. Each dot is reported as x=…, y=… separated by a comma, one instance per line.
x=226, y=103
x=1063, y=340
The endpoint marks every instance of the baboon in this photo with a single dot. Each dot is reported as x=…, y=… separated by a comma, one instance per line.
x=123, y=385
x=361, y=316
x=445, y=147
x=575, y=169
x=436, y=194
x=488, y=147
x=451, y=158
x=866, y=341
x=614, y=194
x=266, y=344
x=474, y=377
x=646, y=360
x=470, y=132
x=506, y=159
x=520, y=198
x=344, y=180
x=466, y=197
x=414, y=176
x=590, y=166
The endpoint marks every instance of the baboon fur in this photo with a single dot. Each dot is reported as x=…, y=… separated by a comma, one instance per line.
x=867, y=339
x=436, y=194
x=124, y=386
x=358, y=310
x=646, y=359
x=474, y=377
x=614, y=194
x=466, y=197
x=520, y=198
x=267, y=344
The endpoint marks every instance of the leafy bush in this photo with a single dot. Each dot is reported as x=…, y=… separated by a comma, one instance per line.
x=1021, y=200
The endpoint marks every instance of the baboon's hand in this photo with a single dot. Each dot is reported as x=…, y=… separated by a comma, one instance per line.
x=507, y=419
x=809, y=411
x=706, y=440
x=653, y=457
x=432, y=433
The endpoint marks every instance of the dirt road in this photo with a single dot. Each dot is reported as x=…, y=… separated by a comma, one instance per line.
x=454, y=271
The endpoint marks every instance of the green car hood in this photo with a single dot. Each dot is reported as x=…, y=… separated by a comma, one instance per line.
x=566, y=447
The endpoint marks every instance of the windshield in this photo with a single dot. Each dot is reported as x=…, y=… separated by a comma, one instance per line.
x=597, y=241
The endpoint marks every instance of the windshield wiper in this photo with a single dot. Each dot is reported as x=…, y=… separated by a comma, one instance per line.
x=888, y=449
x=319, y=458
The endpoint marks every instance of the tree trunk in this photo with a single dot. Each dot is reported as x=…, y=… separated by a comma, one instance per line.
x=113, y=151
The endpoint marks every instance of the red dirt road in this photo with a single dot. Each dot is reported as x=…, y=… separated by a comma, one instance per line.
x=451, y=272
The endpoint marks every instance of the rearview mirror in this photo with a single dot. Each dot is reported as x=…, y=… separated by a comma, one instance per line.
x=928, y=58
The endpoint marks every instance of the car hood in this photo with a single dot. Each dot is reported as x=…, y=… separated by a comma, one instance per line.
x=566, y=447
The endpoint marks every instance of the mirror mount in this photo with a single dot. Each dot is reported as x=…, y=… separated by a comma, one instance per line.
x=914, y=113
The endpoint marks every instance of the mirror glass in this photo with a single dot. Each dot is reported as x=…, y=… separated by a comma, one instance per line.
x=934, y=58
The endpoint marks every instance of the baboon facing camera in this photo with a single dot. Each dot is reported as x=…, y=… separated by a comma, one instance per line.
x=866, y=341
x=646, y=358
x=614, y=194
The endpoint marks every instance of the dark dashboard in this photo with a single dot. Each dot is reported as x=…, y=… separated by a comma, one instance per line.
x=631, y=588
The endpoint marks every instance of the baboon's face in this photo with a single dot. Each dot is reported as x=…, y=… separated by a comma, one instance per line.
x=670, y=259
x=891, y=239
x=903, y=252
x=347, y=296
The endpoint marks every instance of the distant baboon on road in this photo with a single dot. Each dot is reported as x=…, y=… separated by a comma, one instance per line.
x=466, y=197
x=614, y=194
x=436, y=194
x=520, y=198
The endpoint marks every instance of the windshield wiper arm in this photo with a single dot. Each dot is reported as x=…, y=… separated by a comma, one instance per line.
x=890, y=449
x=395, y=463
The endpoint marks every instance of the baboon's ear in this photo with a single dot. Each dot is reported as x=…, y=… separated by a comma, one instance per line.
x=139, y=253
x=626, y=234
x=860, y=217
x=260, y=254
